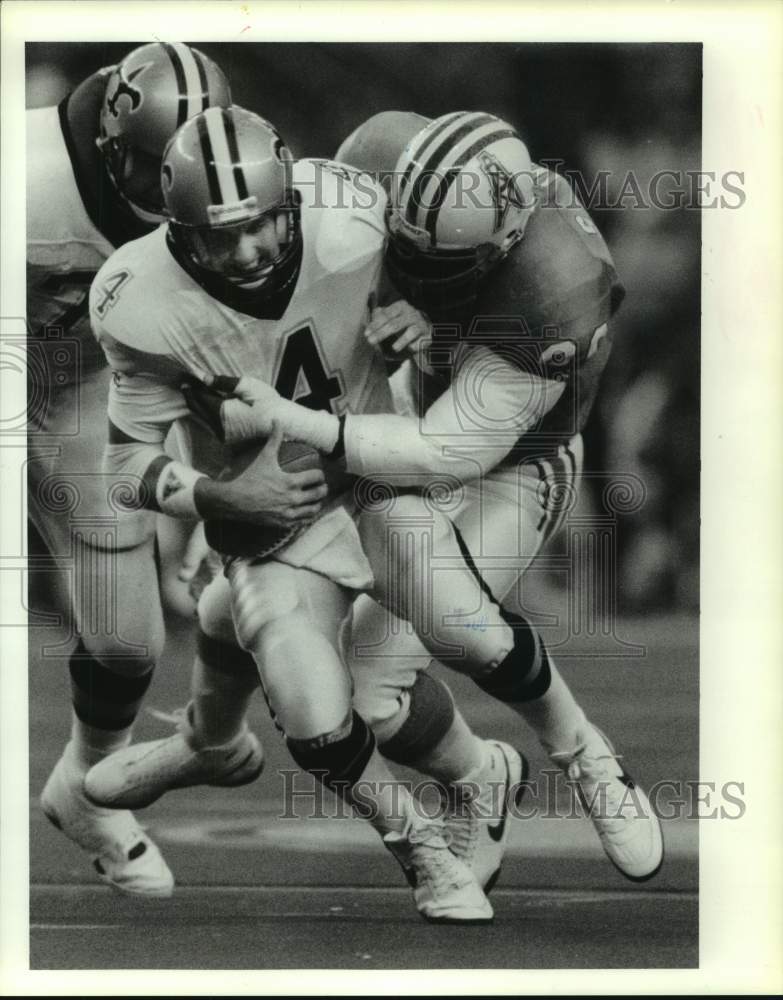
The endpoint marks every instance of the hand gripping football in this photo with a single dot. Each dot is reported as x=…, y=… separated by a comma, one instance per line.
x=241, y=538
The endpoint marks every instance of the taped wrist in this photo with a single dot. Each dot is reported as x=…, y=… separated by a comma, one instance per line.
x=336, y=759
x=174, y=488
x=315, y=427
x=242, y=422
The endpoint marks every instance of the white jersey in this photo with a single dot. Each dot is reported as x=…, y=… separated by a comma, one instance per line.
x=60, y=235
x=158, y=327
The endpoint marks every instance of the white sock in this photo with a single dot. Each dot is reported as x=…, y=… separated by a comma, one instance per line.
x=555, y=717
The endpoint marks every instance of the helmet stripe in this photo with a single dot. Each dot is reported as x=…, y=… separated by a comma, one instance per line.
x=434, y=208
x=233, y=150
x=209, y=160
x=179, y=74
x=430, y=138
x=202, y=79
x=438, y=199
x=193, y=88
x=435, y=161
x=222, y=156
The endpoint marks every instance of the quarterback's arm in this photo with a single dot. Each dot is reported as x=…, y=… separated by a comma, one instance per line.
x=142, y=408
x=466, y=432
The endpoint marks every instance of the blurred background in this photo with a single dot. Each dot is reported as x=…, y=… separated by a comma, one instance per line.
x=615, y=108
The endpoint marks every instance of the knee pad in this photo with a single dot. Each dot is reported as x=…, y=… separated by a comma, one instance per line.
x=224, y=657
x=525, y=673
x=259, y=595
x=336, y=759
x=430, y=716
x=102, y=698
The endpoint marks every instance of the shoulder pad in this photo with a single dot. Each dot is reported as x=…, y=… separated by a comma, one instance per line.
x=134, y=297
x=343, y=212
x=327, y=184
x=556, y=287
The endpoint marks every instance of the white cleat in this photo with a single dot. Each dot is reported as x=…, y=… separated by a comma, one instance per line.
x=621, y=813
x=139, y=774
x=477, y=818
x=445, y=890
x=123, y=855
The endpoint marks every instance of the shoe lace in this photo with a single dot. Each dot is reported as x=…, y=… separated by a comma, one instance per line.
x=425, y=832
x=582, y=767
x=431, y=856
x=176, y=717
x=461, y=820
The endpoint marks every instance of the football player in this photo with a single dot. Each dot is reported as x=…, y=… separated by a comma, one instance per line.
x=501, y=257
x=266, y=269
x=93, y=183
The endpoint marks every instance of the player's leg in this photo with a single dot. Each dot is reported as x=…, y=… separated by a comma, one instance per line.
x=412, y=713
x=295, y=623
x=212, y=744
x=529, y=682
x=417, y=724
x=182, y=551
x=107, y=557
x=512, y=663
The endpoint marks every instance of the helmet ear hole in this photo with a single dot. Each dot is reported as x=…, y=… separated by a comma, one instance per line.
x=281, y=227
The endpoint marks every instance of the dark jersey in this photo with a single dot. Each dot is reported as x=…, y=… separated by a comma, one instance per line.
x=546, y=308
x=79, y=113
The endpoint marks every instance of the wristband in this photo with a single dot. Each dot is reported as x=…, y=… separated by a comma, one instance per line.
x=174, y=490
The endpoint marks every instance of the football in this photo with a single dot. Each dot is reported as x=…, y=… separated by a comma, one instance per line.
x=240, y=538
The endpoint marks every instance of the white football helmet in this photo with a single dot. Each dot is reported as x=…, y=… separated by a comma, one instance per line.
x=462, y=195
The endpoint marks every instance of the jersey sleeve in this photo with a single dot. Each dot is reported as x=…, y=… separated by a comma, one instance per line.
x=465, y=433
x=145, y=400
x=144, y=406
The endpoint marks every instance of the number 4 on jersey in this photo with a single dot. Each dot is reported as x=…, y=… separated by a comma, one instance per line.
x=111, y=289
x=303, y=376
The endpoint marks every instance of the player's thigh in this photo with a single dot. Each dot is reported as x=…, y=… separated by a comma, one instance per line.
x=295, y=623
x=117, y=604
x=69, y=495
x=215, y=615
x=402, y=541
x=384, y=657
x=500, y=522
x=506, y=518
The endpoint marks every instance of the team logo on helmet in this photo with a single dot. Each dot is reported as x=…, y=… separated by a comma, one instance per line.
x=505, y=191
x=124, y=88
